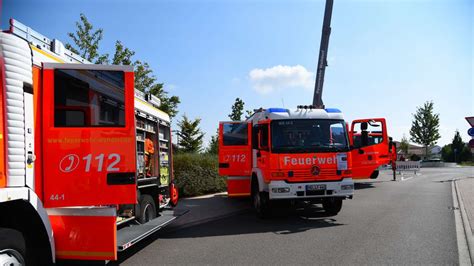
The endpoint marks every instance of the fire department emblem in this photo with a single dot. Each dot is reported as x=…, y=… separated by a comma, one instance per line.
x=69, y=163
x=315, y=170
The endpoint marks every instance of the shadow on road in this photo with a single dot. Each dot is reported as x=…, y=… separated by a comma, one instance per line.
x=358, y=186
x=286, y=221
x=371, y=184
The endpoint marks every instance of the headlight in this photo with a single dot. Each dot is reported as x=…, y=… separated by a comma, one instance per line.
x=280, y=189
x=347, y=187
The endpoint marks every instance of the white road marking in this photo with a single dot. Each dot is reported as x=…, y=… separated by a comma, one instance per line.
x=405, y=179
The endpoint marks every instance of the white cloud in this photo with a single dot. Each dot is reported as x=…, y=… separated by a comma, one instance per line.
x=281, y=77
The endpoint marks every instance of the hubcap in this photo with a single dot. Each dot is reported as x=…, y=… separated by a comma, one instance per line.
x=11, y=257
x=148, y=213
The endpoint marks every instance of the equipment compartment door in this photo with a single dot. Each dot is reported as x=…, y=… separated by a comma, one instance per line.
x=88, y=135
x=235, y=149
x=235, y=156
x=370, y=141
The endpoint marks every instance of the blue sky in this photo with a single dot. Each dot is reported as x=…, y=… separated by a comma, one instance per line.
x=385, y=57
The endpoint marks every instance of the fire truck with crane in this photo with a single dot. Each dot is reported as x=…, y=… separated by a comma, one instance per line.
x=85, y=159
x=305, y=154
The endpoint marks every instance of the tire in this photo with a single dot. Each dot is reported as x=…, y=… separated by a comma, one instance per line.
x=332, y=206
x=374, y=174
x=260, y=200
x=147, y=209
x=12, y=247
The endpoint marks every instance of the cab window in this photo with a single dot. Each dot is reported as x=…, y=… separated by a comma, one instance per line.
x=367, y=133
x=89, y=98
x=235, y=134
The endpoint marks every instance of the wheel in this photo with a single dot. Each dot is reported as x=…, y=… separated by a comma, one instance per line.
x=261, y=201
x=374, y=174
x=174, y=195
x=147, y=209
x=332, y=206
x=12, y=247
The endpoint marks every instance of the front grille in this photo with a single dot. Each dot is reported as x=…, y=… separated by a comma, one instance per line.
x=323, y=174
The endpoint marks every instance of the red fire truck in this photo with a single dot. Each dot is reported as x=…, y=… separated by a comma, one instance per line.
x=305, y=154
x=85, y=160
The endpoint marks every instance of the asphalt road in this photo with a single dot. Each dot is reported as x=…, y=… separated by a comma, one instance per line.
x=403, y=222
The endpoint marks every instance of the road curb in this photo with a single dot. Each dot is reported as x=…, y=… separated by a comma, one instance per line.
x=206, y=196
x=463, y=229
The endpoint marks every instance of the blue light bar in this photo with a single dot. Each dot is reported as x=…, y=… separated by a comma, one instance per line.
x=332, y=110
x=277, y=110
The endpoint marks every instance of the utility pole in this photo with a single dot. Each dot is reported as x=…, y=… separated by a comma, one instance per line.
x=323, y=54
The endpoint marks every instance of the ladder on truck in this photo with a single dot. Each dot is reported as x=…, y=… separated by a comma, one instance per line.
x=323, y=55
x=42, y=42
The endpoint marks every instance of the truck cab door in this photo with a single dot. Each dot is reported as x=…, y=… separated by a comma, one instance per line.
x=235, y=150
x=262, y=147
x=88, y=135
x=370, y=150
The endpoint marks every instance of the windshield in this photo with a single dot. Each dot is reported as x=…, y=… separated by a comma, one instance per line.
x=309, y=135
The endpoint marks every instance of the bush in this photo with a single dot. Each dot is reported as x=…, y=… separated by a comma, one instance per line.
x=197, y=174
x=415, y=157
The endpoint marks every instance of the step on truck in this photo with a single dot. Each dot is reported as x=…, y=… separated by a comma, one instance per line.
x=303, y=154
x=85, y=160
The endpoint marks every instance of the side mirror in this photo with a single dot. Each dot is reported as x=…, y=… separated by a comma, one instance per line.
x=361, y=151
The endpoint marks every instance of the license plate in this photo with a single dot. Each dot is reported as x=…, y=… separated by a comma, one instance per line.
x=315, y=187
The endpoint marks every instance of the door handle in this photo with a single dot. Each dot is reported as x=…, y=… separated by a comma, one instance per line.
x=121, y=178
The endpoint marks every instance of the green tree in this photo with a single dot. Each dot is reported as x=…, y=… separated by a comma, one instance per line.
x=237, y=110
x=145, y=80
x=460, y=151
x=457, y=145
x=168, y=104
x=248, y=114
x=425, y=126
x=213, y=147
x=122, y=55
x=86, y=41
x=447, y=153
x=404, y=145
x=190, y=135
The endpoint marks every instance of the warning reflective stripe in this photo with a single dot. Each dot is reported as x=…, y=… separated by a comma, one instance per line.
x=82, y=211
x=46, y=54
x=238, y=177
x=67, y=253
x=238, y=194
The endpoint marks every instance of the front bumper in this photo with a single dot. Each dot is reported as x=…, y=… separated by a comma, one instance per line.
x=343, y=188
